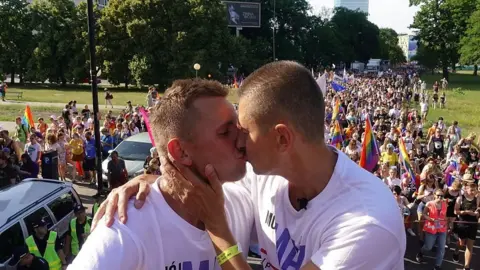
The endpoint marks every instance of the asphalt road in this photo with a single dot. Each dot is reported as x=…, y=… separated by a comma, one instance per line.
x=413, y=247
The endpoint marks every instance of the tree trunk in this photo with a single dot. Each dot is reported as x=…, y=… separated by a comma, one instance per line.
x=445, y=72
x=12, y=76
x=21, y=78
x=475, y=70
x=126, y=84
x=433, y=71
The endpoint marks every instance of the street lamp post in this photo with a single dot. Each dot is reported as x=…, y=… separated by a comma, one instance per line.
x=197, y=68
x=93, y=77
x=274, y=26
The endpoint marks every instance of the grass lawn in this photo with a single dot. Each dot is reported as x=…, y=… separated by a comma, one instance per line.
x=462, y=106
x=8, y=112
x=83, y=95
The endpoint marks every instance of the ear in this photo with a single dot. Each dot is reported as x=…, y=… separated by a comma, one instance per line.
x=285, y=137
x=178, y=153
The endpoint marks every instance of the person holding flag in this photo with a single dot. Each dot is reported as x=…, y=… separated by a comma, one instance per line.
x=370, y=154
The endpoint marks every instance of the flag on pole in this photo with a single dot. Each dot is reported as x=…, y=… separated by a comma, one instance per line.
x=27, y=118
x=337, y=138
x=144, y=115
x=370, y=153
x=338, y=87
x=336, y=110
x=322, y=83
x=405, y=159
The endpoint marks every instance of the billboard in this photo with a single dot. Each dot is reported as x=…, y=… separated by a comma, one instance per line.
x=412, y=47
x=242, y=14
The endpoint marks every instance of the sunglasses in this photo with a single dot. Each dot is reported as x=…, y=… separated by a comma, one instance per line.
x=439, y=195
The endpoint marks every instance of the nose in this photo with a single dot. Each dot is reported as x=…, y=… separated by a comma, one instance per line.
x=240, y=143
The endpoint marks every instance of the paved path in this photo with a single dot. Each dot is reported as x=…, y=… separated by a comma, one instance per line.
x=10, y=126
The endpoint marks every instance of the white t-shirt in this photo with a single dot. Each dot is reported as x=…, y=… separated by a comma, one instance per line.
x=352, y=224
x=33, y=150
x=155, y=237
x=423, y=106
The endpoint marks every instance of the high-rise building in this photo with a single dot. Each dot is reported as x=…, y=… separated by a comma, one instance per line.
x=362, y=5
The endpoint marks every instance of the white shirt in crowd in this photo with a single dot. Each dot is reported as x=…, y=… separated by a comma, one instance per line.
x=423, y=107
x=155, y=237
x=394, y=112
x=340, y=227
x=391, y=182
x=33, y=150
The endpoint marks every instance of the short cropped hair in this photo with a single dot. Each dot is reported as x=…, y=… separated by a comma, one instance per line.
x=174, y=116
x=286, y=89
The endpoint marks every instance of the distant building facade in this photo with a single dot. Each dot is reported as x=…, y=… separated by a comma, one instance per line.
x=408, y=45
x=362, y=5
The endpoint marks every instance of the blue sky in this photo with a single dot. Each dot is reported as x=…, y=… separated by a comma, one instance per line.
x=395, y=14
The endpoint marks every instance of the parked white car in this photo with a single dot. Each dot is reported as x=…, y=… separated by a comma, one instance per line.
x=31, y=200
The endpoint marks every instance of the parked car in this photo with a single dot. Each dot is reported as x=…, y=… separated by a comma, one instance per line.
x=31, y=200
x=134, y=150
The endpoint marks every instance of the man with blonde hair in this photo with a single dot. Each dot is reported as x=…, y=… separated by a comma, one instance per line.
x=194, y=125
x=313, y=205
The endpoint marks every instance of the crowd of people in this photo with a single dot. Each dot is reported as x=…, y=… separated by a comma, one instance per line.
x=440, y=202
x=445, y=162
x=71, y=135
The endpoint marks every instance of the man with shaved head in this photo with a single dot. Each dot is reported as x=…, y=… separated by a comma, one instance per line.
x=314, y=207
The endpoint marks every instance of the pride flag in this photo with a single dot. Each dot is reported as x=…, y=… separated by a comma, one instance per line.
x=405, y=159
x=337, y=137
x=370, y=153
x=336, y=110
x=144, y=115
x=27, y=118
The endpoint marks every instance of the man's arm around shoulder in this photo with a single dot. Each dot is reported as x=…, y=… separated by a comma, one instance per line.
x=108, y=248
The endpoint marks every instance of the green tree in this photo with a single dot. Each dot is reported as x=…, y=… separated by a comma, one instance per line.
x=470, y=43
x=54, y=33
x=15, y=37
x=157, y=41
x=79, y=64
x=426, y=57
x=322, y=46
x=441, y=24
x=359, y=37
x=389, y=48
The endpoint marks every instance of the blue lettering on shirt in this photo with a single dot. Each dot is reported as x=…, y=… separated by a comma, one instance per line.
x=290, y=256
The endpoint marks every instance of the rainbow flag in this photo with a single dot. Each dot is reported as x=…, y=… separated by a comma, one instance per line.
x=405, y=159
x=370, y=153
x=27, y=118
x=337, y=137
x=336, y=110
x=144, y=115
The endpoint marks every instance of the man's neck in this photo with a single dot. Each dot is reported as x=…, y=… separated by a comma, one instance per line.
x=173, y=193
x=310, y=172
x=469, y=197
